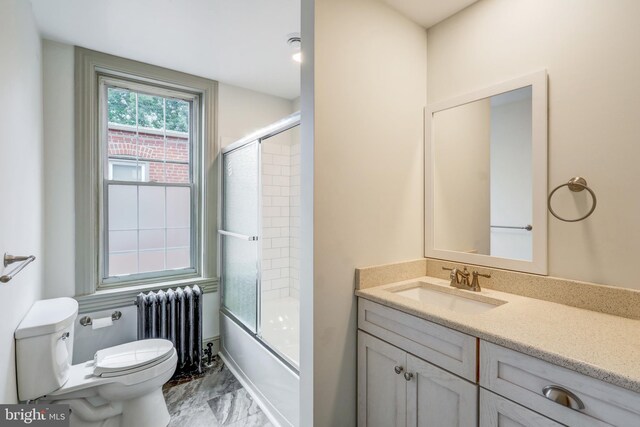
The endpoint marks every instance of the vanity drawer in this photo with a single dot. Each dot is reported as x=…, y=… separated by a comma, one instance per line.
x=496, y=411
x=522, y=378
x=451, y=350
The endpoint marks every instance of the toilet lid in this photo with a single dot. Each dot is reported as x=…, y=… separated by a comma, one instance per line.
x=132, y=356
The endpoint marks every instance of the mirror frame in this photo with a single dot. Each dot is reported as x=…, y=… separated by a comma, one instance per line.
x=538, y=263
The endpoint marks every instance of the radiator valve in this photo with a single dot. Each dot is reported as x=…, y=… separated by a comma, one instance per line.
x=209, y=352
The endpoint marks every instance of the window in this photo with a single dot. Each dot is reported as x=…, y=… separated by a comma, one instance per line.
x=127, y=170
x=148, y=188
x=145, y=180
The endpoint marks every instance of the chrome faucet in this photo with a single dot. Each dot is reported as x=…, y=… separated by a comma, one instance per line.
x=460, y=279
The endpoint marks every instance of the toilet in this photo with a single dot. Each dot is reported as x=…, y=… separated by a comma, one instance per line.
x=120, y=387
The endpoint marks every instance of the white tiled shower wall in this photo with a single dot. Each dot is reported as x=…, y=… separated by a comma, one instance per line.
x=281, y=215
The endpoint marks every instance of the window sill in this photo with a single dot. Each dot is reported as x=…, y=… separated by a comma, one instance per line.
x=108, y=299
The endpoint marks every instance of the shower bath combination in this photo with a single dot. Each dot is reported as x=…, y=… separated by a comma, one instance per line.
x=259, y=247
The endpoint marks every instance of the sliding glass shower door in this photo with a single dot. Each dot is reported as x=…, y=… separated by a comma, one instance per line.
x=260, y=237
x=239, y=234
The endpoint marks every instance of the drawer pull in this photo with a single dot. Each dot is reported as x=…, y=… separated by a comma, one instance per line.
x=398, y=369
x=562, y=396
x=408, y=376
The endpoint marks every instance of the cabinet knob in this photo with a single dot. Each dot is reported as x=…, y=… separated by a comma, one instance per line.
x=408, y=376
x=398, y=369
x=562, y=396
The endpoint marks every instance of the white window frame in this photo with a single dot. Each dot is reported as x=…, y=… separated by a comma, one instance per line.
x=93, y=71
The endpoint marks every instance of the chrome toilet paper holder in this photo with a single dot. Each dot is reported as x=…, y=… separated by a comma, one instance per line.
x=86, y=320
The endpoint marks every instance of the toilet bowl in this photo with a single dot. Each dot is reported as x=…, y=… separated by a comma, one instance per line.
x=120, y=387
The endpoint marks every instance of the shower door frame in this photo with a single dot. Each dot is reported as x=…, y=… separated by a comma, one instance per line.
x=274, y=129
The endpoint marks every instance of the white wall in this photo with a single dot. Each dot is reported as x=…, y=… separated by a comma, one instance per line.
x=590, y=51
x=21, y=186
x=241, y=111
x=305, y=103
x=370, y=90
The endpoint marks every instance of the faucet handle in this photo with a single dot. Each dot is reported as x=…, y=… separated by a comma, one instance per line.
x=475, y=283
x=453, y=276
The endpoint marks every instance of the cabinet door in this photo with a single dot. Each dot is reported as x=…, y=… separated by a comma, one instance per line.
x=496, y=411
x=436, y=397
x=382, y=393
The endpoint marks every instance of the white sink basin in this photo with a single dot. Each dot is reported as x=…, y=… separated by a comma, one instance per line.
x=449, y=299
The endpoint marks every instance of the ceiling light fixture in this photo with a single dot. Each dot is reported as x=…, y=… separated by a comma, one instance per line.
x=293, y=40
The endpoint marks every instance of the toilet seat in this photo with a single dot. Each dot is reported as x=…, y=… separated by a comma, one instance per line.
x=131, y=357
x=114, y=374
x=83, y=382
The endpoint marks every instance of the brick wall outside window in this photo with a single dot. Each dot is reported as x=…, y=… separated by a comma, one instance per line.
x=150, y=148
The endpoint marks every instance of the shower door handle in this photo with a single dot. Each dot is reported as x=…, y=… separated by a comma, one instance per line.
x=238, y=235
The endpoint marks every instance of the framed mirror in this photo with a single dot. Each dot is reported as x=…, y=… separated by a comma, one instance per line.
x=486, y=176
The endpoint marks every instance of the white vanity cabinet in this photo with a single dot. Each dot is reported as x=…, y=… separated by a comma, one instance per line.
x=412, y=372
x=398, y=388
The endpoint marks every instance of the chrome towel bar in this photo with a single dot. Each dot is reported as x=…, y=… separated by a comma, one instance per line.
x=10, y=259
x=238, y=236
x=527, y=227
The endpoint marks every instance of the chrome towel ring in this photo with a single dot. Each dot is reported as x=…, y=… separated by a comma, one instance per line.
x=575, y=184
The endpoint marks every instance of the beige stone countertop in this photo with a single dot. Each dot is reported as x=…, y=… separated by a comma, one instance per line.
x=599, y=345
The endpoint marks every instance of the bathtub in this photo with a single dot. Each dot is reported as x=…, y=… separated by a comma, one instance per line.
x=267, y=365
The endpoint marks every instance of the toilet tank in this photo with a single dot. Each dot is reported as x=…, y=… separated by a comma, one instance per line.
x=44, y=347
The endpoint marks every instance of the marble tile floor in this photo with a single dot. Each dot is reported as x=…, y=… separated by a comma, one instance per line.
x=211, y=399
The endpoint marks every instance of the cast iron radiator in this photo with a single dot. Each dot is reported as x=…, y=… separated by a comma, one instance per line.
x=175, y=315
